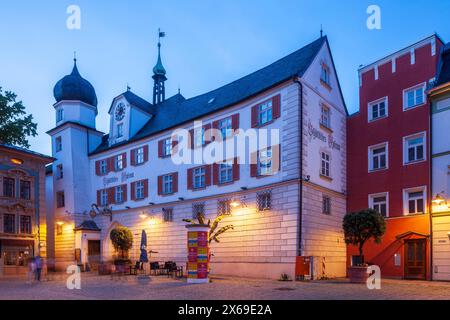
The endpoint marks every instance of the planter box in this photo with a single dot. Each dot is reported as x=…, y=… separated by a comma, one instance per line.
x=358, y=274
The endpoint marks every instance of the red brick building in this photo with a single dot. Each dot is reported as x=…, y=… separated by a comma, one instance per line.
x=389, y=158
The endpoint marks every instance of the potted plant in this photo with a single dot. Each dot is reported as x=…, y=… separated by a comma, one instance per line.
x=122, y=241
x=359, y=227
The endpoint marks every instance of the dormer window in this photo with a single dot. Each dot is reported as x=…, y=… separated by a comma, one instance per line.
x=59, y=115
x=120, y=130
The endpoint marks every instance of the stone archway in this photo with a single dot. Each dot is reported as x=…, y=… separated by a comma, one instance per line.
x=107, y=247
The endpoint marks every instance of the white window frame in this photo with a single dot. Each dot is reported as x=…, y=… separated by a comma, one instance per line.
x=405, y=98
x=322, y=161
x=377, y=102
x=377, y=195
x=139, y=190
x=103, y=198
x=167, y=147
x=139, y=155
x=406, y=192
x=103, y=167
x=325, y=74
x=405, y=148
x=118, y=194
x=265, y=162
x=199, y=137
x=265, y=112
x=226, y=127
x=325, y=116
x=59, y=115
x=59, y=172
x=167, y=184
x=58, y=144
x=120, y=130
x=199, y=178
x=227, y=170
x=370, y=156
x=118, y=163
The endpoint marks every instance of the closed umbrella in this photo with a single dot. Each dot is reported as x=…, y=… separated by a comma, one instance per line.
x=143, y=257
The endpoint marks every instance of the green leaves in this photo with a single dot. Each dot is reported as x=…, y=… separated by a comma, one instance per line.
x=15, y=125
x=362, y=226
x=215, y=236
x=213, y=227
x=121, y=238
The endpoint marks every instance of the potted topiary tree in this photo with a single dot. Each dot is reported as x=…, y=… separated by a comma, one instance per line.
x=359, y=227
x=122, y=241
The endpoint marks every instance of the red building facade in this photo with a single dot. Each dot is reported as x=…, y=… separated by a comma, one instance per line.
x=389, y=159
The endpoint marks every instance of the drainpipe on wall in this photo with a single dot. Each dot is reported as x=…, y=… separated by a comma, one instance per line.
x=430, y=194
x=300, y=191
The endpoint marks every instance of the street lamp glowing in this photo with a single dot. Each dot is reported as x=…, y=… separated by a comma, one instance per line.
x=16, y=161
x=60, y=223
x=143, y=216
x=235, y=203
x=439, y=199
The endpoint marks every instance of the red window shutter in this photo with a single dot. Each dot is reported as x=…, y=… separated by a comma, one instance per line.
x=190, y=184
x=254, y=165
x=145, y=153
x=133, y=157
x=124, y=188
x=236, y=169
x=159, y=185
x=215, y=169
x=160, y=148
x=191, y=137
x=207, y=128
x=277, y=149
x=97, y=168
x=98, y=197
x=276, y=109
x=175, y=182
x=255, y=121
x=215, y=125
x=111, y=195
x=109, y=165
x=208, y=169
x=145, y=188
x=174, y=146
x=124, y=159
x=235, y=121
x=133, y=191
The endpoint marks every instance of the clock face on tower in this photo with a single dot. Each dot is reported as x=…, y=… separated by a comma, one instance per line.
x=120, y=111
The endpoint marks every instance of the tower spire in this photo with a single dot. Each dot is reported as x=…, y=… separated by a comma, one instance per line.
x=159, y=74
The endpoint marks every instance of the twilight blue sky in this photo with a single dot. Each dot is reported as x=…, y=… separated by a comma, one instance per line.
x=209, y=43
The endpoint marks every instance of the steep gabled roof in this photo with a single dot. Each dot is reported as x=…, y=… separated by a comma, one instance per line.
x=177, y=110
x=136, y=101
x=24, y=151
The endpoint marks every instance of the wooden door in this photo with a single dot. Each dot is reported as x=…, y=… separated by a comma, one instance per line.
x=415, y=259
x=94, y=253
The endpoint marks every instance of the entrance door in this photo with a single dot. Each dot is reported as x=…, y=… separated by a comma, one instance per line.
x=415, y=259
x=94, y=253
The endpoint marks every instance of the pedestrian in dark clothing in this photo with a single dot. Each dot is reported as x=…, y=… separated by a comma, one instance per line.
x=38, y=262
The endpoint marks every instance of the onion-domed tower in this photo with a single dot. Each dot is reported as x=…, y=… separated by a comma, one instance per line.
x=73, y=138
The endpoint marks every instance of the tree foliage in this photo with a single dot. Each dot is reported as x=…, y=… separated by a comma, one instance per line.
x=122, y=239
x=15, y=124
x=361, y=226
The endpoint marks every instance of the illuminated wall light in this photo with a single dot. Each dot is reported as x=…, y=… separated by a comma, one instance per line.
x=16, y=161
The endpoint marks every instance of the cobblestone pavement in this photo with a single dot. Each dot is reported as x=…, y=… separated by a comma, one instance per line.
x=224, y=288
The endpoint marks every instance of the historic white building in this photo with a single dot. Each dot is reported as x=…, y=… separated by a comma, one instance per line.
x=286, y=199
x=440, y=120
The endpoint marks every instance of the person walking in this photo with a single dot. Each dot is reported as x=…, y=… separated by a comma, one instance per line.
x=38, y=261
x=31, y=270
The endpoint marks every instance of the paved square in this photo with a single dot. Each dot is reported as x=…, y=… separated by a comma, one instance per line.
x=129, y=287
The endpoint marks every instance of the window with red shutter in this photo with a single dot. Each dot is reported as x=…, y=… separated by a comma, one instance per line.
x=160, y=191
x=133, y=157
x=124, y=157
x=208, y=169
x=236, y=170
x=98, y=198
x=133, y=191
x=215, y=172
x=146, y=188
x=189, y=179
x=235, y=121
x=175, y=182
x=276, y=103
x=160, y=148
x=145, y=153
x=97, y=168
